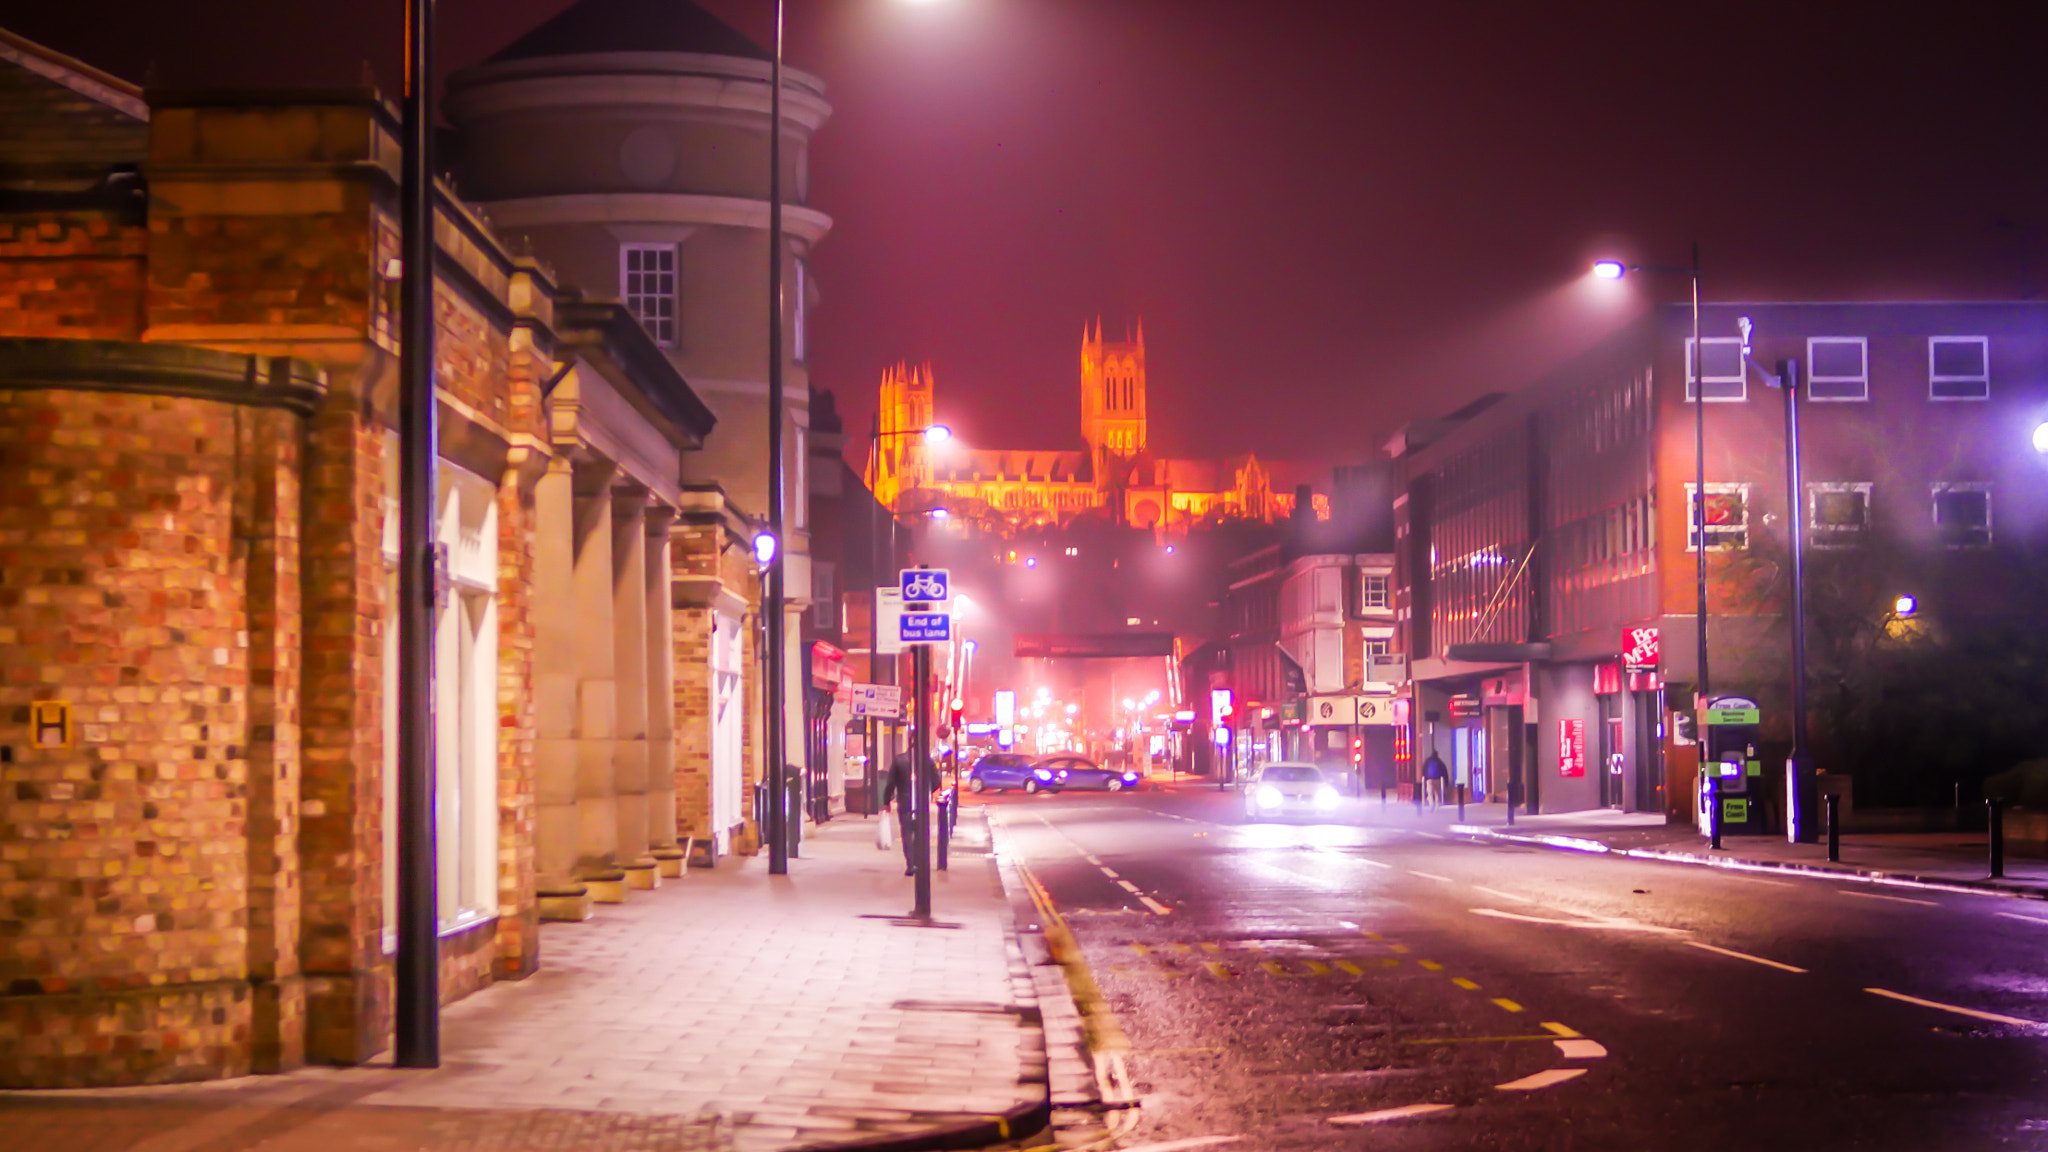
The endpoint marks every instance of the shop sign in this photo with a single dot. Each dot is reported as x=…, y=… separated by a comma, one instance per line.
x=1571, y=748
x=1337, y=711
x=1641, y=649
x=1464, y=707
x=1377, y=710
x=826, y=662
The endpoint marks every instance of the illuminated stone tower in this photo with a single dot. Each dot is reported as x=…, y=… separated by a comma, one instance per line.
x=902, y=461
x=1112, y=398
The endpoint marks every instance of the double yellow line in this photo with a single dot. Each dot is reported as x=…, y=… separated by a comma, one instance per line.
x=1105, y=1036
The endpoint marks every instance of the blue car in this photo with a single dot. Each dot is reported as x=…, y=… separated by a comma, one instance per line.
x=1079, y=772
x=1003, y=771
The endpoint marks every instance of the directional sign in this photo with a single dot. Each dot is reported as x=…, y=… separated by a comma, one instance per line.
x=925, y=585
x=925, y=627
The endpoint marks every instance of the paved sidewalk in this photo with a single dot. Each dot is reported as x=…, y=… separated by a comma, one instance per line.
x=1955, y=859
x=730, y=1010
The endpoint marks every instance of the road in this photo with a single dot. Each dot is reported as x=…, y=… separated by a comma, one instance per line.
x=1373, y=983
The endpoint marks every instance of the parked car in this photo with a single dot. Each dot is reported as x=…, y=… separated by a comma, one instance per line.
x=1003, y=771
x=1081, y=773
x=1289, y=789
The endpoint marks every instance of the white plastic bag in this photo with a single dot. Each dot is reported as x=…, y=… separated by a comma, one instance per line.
x=885, y=832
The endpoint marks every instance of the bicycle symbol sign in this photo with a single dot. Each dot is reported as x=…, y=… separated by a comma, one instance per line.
x=925, y=585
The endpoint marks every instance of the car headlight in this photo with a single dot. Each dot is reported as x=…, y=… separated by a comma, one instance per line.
x=1130, y=777
x=1041, y=773
x=1268, y=796
x=1326, y=797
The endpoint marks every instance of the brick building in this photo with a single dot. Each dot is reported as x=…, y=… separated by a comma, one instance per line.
x=1536, y=529
x=197, y=314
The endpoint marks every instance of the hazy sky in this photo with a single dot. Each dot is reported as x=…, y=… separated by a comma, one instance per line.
x=1332, y=217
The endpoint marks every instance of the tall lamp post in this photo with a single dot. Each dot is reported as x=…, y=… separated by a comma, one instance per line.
x=1799, y=765
x=416, y=1031
x=883, y=540
x=1697, y=377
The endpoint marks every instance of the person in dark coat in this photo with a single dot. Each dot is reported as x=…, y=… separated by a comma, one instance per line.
x=897, y=793
x=1434, y=776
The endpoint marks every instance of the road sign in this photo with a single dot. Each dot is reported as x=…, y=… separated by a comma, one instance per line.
x=925, y=585
x=880, y=700
x=924, y=627
x=888, y=606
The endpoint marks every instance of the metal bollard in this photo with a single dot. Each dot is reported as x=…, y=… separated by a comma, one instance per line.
x=1461, y=803
x=1383, y=797
x=1995, y=809
x=1714, y=813
x=945, y=828
x=1834, y=804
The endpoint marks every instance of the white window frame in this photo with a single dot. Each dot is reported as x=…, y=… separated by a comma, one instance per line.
x=1740, y=380
x=1861, y=380
x=665, y=332
x=799, y=322
x=1935, y=380
x=1835, y=536
x=824, y=594
x=1941, y=488
x=1367, y=583
x=1692, y=516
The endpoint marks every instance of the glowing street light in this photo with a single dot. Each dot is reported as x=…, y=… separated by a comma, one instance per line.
x=940, y=514
x=1905, y=606
x=764, y=548
x=1609, y=270
x=937, y=434
x=2041, y=437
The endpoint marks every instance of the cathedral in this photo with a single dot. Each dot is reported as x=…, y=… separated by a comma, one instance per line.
x=1114, y=476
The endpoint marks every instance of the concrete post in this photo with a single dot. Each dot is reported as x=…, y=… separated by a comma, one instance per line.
x=596, y=665
x=661, y=695
x=561, y=896
x=629, y=652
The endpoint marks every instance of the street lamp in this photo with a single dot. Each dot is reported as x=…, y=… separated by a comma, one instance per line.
x=2041, y=437
x=1905, y=606
x=1615, y=270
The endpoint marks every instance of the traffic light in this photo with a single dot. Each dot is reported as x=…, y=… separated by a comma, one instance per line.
x=1358, y=749
x=959, y=709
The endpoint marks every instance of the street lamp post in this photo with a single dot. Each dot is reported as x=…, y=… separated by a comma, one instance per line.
x=771, y=589
x=416, y=1031
x=1697, y=377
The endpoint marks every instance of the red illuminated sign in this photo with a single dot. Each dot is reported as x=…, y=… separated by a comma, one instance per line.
x=1571, y=748
x=1639, y=649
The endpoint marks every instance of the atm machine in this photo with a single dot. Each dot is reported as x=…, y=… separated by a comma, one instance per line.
x=1731, y=727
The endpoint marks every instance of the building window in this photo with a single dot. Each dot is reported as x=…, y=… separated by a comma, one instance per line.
x=1727, y=515
x=1959, y=368
x=799, y=328
x=1377, y=649
x=1838, y=515
x=824, y=594
x=1962, y=515
x=1838, y=368
x=1372, y=591
x=647, y=283
x=1723, y=365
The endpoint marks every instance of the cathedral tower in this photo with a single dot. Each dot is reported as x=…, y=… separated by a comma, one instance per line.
x=1112, y=398
x=901, y=460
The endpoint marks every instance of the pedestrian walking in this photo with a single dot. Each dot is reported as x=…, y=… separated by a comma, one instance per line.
x=897, y=793
x=1434, y=776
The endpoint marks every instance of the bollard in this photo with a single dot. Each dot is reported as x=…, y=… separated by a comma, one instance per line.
x=1383, y=797
x=1461, y=803
x=1995, y=809
x=945, y=827
x=1714, y=813
x=1834, y=804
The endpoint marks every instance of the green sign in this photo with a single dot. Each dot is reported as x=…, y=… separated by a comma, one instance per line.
x=1735, y=716
x=1735, y=810
x=1754, y=768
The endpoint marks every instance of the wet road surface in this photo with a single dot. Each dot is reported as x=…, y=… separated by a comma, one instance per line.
x=1359, y=984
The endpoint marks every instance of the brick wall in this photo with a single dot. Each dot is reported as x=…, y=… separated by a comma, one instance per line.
x=143, y=540
x=75, y=274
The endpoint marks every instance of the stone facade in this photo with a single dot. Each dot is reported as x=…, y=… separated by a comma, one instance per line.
x=197, y=386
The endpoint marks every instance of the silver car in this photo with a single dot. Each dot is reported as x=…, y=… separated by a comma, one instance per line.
x=1289, y=789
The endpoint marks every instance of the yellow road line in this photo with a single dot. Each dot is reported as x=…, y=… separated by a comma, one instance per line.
x=1218, y=970
x=1317, y=968
x=1508, y=1005
x=1546, y=1037
x=1467, y=985
x=1432, y=965
x=1274, y=968
x=1350, y=969
x=1561, y=1030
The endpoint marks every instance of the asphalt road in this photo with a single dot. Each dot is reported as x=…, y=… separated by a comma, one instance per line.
x=1368, y=983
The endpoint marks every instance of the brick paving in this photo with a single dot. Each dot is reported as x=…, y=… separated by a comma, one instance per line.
x=729, y=1010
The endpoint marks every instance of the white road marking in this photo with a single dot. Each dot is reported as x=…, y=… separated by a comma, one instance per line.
x=1994, y=1017
x=1431, y=835
x=1192, y=1142
x=1580, y=1049
x=1506, y=895
x=1542, y=1079
x=1882, y=896
x=1370, y=860
x=1156, y=907
x=1744, y=956
x=2017, y=916
x=1127, y=886
x=1431, y=876
x=1608, y=925
x=1108, y=873
x=1386, y=1114
x=1091, y=859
